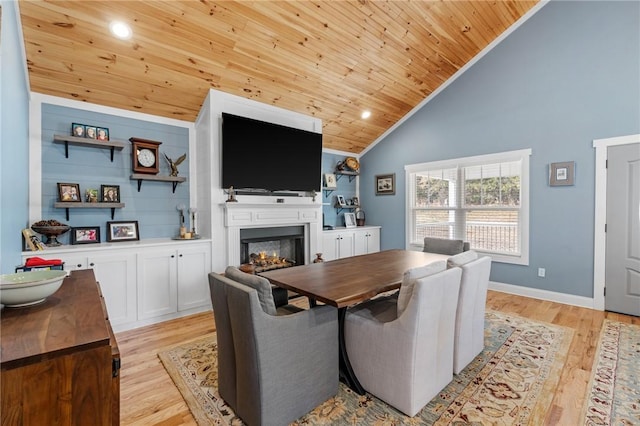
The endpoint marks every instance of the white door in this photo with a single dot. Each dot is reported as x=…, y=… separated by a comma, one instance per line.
x=157, y=283
x=116, y=274
x=194, y=265
x=622, y=262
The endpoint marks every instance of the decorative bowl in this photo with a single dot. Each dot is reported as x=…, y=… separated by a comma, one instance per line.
x=51, y=232
x=29, y=288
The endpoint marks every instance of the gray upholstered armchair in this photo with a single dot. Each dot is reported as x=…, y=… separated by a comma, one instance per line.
x=272, y=369
x=469, y=335
x=401, y=350
x=444, y=246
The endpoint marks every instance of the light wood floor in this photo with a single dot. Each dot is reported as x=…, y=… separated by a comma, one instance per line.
x=148, y=396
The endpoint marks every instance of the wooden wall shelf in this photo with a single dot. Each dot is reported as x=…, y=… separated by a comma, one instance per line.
x=76, y=205
x=174, y=179
x=352, y=175
x=93, y=143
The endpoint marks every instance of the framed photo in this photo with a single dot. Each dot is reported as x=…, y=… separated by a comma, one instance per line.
x=350, y=220
x=110, y=193
x=341, y=201
x=90, y=132
x=355, y=201
x=123, y=231
x=561, y=174
x=85, y=235
x=386, y=184
x=91, y=195
x=102, y=133
x=330, y=181
x=69, y=192
x=78, y=130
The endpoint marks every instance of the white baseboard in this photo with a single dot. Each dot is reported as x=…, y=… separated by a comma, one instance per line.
x=552, y=296
x=150, y=321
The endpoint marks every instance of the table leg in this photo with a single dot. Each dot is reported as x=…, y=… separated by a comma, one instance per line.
x=346, y=372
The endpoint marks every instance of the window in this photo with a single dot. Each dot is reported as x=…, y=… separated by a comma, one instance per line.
x=483, y=200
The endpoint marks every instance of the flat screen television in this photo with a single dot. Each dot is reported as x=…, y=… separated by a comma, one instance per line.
x=262, y=156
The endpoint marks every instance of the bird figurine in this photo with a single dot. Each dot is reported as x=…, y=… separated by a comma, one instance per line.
x=174, y=164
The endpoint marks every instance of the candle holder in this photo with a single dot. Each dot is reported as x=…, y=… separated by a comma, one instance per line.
x=193, y=212
x=183, y=229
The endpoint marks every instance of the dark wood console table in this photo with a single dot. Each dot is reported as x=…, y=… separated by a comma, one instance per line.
x=59, y=360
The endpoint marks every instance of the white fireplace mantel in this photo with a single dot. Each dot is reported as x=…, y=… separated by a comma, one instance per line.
x=239, y=216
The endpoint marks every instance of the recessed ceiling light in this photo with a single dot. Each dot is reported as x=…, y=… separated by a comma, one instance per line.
x=365, y=114
x=120, y=29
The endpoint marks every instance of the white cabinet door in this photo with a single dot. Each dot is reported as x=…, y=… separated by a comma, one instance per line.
x=116, y=274
x=330, y=245
x=367, y=240
x=346, y=242
x=157, y=283
x=194, y=265
x=74, y=263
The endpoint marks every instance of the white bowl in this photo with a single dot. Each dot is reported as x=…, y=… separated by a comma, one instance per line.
x=29, y=288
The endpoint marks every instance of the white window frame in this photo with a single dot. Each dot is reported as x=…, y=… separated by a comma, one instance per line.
x=522, y=155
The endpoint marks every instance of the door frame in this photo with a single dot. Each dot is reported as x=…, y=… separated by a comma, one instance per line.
x=599, y=234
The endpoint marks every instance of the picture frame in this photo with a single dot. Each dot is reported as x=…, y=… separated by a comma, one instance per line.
x=110, y=193
x=85, y=235
x=350, y=220
x=78, y=130
x=340, y=201
x=330, y=181
x=386, y=184
x=91, y=195
x=562, y=173
x=90, y=132
x=69, y=192
x=102, y=133
x=123, y=230
x=355, y=201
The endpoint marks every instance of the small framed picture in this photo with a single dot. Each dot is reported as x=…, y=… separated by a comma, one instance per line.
x=386, y=184
x=350, y=220
x=340, y=201
x=90, y=132
x=78, y=130
x=122, y=231
x=102, y=133
x=85, y=235
x=69, y=192
x=355, y=201
x=330, y=181
x=561, y=174
x=110, y=193
x=91, y=195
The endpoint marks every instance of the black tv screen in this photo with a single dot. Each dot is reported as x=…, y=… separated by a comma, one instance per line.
x=257, y=155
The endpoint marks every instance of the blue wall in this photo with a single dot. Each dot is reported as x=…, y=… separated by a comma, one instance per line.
x=569, y=75
x=14, y=130
x=154, y=207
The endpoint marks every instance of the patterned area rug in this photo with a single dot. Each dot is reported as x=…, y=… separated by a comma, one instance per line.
x=614, y=389
x=511, y=382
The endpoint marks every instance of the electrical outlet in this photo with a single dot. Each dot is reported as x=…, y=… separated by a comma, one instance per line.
x=541, y=272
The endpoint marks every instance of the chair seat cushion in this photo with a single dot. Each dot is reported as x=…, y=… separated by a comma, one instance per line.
x=409, y=280
x=260, y=284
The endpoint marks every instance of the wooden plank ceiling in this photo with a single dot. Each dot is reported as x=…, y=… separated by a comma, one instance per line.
x=329, y=59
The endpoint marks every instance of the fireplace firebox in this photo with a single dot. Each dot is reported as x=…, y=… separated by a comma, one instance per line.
x=273, y=247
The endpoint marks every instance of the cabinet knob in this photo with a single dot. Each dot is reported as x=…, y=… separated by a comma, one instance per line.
x=173, y=255
x=180, y=255
x=91, y=264
x=79, y=265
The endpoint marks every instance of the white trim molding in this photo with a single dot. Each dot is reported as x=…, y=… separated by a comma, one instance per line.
x=535, y=293
x=600, y=219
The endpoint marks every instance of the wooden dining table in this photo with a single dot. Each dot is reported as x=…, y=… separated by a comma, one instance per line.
x=347, y=282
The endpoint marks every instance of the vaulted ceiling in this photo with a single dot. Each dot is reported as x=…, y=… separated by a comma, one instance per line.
x=329, y=59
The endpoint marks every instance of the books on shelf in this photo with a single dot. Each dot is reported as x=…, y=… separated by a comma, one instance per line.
x=32, y=242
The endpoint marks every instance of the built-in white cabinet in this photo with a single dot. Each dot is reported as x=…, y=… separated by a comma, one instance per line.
x=346, y=242
x=366, y=240
x=171, y=279
x=143, y=282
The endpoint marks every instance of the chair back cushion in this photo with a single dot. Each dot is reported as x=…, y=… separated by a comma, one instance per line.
x=462, y=258
x=443, y=246
x=260, y=284
x=409, y=281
